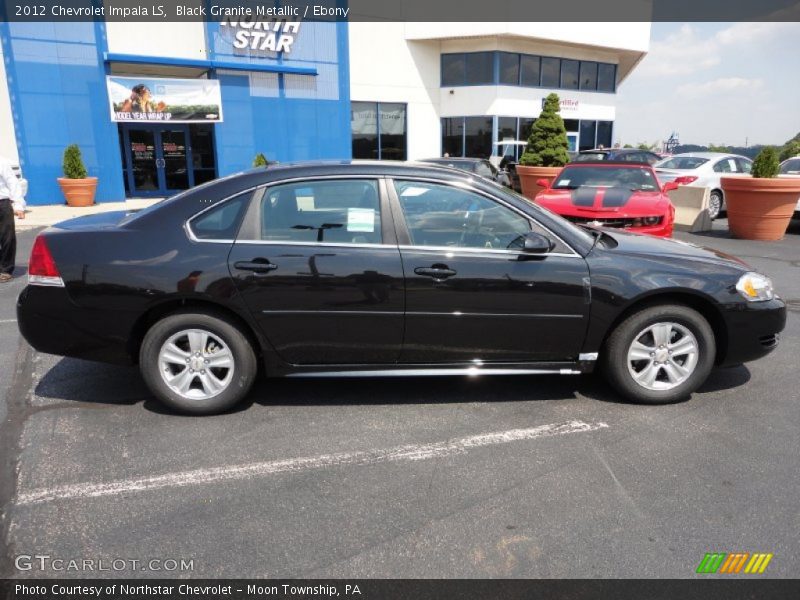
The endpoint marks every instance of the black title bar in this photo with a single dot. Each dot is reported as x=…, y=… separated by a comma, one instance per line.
x=511, y=11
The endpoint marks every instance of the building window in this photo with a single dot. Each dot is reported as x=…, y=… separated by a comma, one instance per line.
x=588, y=75
x=454, y=69
x=587, y=135
x=480, y=68
x=606, y=77
x=569, y=74
x=509, y=68
x=529, y=70
x=551, y=72
x=379, y=130
x=506, y=128
x=453, y=136
x=604, y=133
x=478, y=137
x=512, y=68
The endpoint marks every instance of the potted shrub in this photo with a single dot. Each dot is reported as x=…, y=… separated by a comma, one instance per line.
x=77, y=187
x=546, y=151
x=260, y=160
x=761, y=206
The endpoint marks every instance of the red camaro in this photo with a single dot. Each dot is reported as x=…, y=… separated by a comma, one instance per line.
x=622, y=195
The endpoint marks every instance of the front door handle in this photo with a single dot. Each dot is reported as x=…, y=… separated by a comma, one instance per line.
x=257, y=265
x=438, y=272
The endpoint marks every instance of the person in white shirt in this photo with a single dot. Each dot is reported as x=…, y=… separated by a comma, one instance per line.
x=11, y=204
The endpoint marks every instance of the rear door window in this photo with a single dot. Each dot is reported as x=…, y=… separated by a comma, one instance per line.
x=333, y=211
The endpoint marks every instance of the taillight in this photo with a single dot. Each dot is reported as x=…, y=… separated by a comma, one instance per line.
x=685, y=179
x=42, y=268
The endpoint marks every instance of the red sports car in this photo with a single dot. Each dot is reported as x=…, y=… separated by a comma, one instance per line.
x=623, y=195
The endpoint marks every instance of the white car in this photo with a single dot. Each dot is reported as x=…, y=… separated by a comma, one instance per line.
x=791, y=168
x=22, y=181
x=703, y=169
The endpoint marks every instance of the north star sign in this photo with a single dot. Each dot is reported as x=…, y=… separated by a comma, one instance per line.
x=275, y=35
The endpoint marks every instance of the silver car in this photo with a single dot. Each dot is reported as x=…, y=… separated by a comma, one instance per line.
x=791, y=168
x=703, y=169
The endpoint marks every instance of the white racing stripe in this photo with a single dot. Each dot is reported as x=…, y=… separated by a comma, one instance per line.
x=295, y=465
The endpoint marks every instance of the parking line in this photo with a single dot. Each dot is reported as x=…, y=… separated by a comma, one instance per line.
x=295, y=465
x=7, y=321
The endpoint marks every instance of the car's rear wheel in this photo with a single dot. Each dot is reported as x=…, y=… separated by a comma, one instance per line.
x=660, y=354
x=197, y=362
x=714, y=204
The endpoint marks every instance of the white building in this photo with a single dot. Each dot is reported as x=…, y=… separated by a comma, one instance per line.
x=466, y=85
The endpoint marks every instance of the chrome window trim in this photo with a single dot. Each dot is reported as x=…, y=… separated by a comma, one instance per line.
x=470, y=188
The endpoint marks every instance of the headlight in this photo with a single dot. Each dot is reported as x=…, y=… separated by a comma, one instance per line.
x=755, y=287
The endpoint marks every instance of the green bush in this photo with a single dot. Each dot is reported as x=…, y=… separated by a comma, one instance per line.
x=789, y=150
x=766, y=164
x=260, y=160
x=547, y=144
x=73, y=163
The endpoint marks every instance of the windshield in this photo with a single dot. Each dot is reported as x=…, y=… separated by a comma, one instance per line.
x=632, y=178
x=685, y=163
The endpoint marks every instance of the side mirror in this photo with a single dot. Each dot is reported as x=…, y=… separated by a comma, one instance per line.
x=544, y=183
x=536, y=243
x=669, y=186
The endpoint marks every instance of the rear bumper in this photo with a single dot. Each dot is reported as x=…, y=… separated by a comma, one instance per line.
x=753, y=330
x=50, y=322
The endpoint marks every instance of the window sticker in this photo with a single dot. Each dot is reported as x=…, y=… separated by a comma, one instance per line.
x=410, y=192
x=361, y=220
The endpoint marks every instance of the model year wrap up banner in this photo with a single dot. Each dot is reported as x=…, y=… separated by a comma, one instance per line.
x=157, y=100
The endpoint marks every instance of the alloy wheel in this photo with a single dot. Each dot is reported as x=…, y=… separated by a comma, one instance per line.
x=196, y=364
x=663, y=356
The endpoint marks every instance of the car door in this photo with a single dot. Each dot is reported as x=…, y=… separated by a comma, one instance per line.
x=471, y=293
x=317, y=264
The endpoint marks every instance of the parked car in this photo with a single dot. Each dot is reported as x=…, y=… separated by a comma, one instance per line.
x=378, y=269
x=22, y=181
x=618, y=155
x=620, y=195
x=791, y=168
x=704, y=169
x=505, y=156
x=478, y=166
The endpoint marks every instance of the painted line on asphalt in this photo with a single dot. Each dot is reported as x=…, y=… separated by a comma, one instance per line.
x=412, y=452
x=7, y=321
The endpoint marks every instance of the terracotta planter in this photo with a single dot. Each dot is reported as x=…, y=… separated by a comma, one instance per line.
x=529, y=175
x=760, y=209
x=78, y=192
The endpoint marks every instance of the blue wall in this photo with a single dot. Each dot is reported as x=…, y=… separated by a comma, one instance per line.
x=56, y=80
x=56, y=76
x=288, y=117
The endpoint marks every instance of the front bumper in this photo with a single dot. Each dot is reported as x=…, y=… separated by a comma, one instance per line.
x=753, y=330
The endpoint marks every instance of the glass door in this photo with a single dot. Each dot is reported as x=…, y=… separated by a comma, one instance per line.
x=173, y=161
x=143, y=161
x=158, y=160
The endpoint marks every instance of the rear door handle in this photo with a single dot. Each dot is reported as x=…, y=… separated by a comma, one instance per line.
x=257, y=265
x=438, y=272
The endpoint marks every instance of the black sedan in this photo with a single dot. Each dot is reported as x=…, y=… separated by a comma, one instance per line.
x=377, y=269
x=618, y=155
x=478, y=166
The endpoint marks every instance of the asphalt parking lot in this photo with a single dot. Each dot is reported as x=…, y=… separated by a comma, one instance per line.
x=450, y=477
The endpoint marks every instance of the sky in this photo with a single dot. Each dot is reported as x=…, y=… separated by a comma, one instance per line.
x=722, y=83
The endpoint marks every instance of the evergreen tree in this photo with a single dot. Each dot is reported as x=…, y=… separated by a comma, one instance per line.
x=547, y=144
x=766, y=163
x=73, y=163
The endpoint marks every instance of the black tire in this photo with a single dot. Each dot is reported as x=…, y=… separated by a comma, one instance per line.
x=715, y=204
x=244, y=368
x=615, y=356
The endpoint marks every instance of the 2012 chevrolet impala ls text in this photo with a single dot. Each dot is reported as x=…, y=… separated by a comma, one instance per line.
x=380, y=269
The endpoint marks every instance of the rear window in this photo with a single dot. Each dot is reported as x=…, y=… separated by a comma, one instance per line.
x=683, y=162
x=791, y=167
x=590, y=156
x=638, y=179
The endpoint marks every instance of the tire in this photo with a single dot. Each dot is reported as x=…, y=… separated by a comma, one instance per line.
x=210, y=383
x=624, y=361
x=714, y=204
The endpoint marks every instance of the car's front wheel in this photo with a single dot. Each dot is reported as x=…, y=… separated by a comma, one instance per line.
x=660, y=354
x=197, y=362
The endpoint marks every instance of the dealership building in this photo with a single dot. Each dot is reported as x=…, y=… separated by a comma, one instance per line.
x=160, y=107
